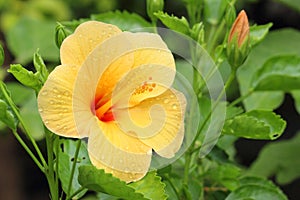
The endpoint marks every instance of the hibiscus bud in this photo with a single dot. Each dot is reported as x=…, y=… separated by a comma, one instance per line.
x=60, y=34
x=238, y=45
x=154, y=6
x=1, y=55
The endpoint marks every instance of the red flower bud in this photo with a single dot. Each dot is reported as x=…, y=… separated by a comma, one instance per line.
x=238, y=46
x=240, y=28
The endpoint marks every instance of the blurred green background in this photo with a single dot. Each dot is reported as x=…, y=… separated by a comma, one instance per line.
x=26, y=25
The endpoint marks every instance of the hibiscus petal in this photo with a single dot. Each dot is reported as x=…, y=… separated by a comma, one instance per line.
x=109, y=61
x=86, y=37
x=55, y=101
x=125, y=176
x=145, y=49
x=158, y=122
x=117, y=150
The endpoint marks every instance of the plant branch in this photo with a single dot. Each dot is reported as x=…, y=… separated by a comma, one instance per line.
x=27, y=149
x=16, y=112
x=73, y=166
x=50, y=173
x=241, y=98
x=75, y=193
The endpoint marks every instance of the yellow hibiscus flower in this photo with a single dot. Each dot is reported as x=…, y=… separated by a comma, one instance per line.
x=114, y=88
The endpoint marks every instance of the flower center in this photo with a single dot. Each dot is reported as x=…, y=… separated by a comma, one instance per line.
x=103, y=109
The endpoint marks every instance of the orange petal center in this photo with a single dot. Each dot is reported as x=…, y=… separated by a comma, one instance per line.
x=103, y=109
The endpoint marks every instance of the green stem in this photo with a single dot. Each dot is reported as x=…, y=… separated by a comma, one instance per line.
x=216, y=36
x=73, y=166
x=191, y=148
x=16, y=112
x=172, y=186
x=57, y=159
x=21, y=141
x=50, y=173
x=188, y=157
x=75, y=193
x=227, y=84
x=241, y=98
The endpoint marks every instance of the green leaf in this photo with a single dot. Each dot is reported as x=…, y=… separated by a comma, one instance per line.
x=256, y=124
x=233, y=111
x=278, y=73
x=214, y=10
x=226, y=174
x=172, y=22
x=279, y=42
x=29, y=34
x=19, y=93
x=257, y=189
x=150, y=186
x=296, y=96
x=7, y=115
x=258, y=33
x=66, y=160
x=226, y=142
x=219, y=155
x=279, y=159
x=97, y=180
x=40, y=67
x=31, y=117
x=124, y=20
x=27, y=78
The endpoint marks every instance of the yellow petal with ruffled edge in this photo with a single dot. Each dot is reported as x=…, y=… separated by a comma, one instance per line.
x=55, y=101
x=76, y=47
x=112, y=147
x=157, y=122
x=127, y=177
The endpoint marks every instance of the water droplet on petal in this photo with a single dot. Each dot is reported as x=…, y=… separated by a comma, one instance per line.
x=51, y=102
x=174, y=106
x=166, y=101
x=67, y=93
x=41, y=110
x=55, y=90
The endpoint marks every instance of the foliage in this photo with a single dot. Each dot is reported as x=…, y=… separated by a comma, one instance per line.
x=205, y=167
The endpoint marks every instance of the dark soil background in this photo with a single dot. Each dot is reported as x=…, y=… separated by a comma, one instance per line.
x=20, y=179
